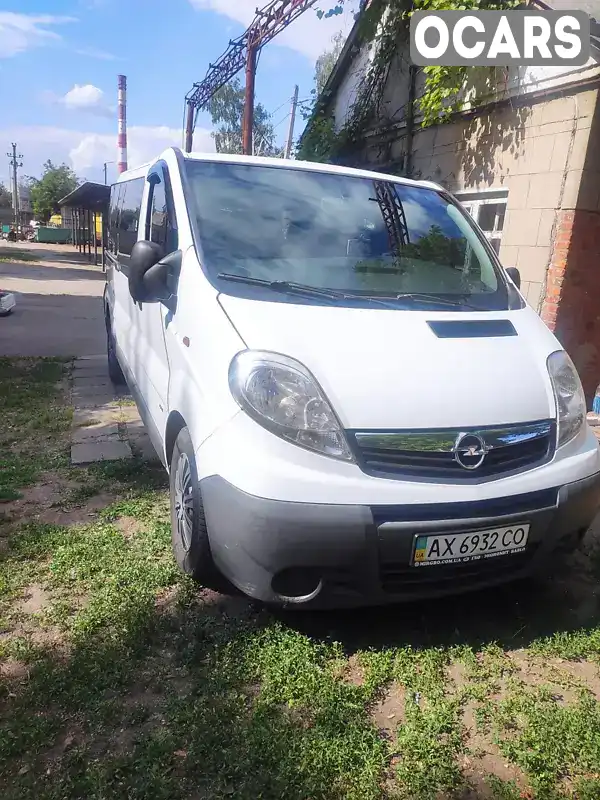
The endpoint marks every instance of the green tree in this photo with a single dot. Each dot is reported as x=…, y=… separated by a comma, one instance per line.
x=226, y=108
x=5, y=197
x=45, y=192
x=327, y=61
x=438, y=248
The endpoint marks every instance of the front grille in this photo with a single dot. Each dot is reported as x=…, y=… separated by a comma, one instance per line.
x=398, y=578
x=431, y=454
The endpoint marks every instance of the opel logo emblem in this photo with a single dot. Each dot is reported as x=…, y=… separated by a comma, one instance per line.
x=469, y=450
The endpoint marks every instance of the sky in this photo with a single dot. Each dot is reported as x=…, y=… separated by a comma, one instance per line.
x=59, y=61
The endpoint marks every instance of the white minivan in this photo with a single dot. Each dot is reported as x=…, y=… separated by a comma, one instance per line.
x=354, y=402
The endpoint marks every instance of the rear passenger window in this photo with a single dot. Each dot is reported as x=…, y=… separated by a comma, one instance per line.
x=113, y=219
x=161, y=221
x=130, y=214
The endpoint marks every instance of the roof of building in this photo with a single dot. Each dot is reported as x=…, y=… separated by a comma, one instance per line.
x=92, y=196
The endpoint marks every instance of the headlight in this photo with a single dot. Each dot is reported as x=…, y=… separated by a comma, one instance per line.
x=570, y=400
x=282, y=396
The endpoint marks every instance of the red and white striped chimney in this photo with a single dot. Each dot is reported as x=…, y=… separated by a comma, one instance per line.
x=122, y=137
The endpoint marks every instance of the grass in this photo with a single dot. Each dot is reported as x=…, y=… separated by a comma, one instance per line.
x=121, y=679
x=34, y=417
x=14, y=254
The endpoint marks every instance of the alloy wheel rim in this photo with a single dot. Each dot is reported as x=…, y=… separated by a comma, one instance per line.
x=184, y=501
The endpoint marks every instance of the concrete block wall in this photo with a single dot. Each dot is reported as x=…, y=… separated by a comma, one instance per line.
x=539, y=153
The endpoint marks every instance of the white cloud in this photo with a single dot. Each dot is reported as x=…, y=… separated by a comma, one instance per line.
x=86, y=98
x=87, y=151
x=143, y=144
x=20, y=32
x=308, y=34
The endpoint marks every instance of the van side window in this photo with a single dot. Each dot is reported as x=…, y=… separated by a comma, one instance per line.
x=130, y=214
x=116, y=195
x=161, y=228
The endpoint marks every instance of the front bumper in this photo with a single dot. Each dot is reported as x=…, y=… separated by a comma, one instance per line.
x=336, y=556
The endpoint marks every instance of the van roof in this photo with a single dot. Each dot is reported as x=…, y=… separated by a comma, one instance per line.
x=280, y=163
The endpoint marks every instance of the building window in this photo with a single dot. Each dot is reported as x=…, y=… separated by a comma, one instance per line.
x=488, y=209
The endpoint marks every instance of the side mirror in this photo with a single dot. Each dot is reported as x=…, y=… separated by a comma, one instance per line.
x=515, y=276
x=160, y=281
x=144, y=255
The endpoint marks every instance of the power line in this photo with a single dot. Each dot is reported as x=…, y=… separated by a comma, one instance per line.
x=287, y=116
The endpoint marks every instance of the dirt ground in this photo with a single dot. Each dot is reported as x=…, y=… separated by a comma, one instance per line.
x=59, y=302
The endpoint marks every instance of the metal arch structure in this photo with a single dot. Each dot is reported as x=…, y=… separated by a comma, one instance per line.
x=393, y=215
x=242, y=52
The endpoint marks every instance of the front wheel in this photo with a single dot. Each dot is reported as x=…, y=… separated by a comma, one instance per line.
x=189, y=535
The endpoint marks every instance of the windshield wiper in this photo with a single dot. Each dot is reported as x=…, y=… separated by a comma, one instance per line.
x=435, y=300
x=330, y=294
x=283, y=286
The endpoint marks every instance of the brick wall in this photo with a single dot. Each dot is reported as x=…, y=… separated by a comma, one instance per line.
x=571, y=306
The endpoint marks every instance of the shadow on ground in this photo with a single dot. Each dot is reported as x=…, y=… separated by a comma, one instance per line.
x=513, y=616
x=31, y=270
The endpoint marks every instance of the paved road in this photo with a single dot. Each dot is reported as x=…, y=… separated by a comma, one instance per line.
x=59, y=304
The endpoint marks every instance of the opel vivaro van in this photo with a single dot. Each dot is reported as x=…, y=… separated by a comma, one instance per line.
x=354, y=402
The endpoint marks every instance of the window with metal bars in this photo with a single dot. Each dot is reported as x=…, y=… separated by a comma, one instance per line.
x=488, y=209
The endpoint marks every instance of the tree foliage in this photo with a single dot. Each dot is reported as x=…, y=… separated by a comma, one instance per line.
x=327, y=61
x=385, y=24
x=226, y=108
x=45, y=192
x=5, y=197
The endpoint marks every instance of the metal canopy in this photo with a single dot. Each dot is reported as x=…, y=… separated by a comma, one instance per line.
x=89, y=196
x=87, y=202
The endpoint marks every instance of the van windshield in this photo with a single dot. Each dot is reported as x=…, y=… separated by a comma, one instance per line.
x=349, y=235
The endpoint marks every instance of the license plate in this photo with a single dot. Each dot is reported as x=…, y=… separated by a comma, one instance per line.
x=459, y=548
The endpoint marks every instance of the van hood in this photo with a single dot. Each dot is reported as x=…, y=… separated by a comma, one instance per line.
x=387, y=369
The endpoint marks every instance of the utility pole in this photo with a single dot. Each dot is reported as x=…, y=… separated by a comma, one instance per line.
x=15, y=163
x=242, y=52
x=290, y=140
x=106, y=163
x=248, y=122
x=188, y=142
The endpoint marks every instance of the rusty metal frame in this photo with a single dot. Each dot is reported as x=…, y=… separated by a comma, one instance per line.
x=393, y=215
x=242, y=52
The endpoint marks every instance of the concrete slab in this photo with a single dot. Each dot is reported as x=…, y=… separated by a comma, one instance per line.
x=99, y=381
x=95, y=415
x=129, y=413
x=91, y=370
x=87, y=397
x=101, y=412
x=109, y=450
x=95, y=433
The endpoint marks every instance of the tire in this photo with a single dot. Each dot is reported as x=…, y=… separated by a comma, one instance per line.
x=189, y=534
x=6, y=313
x=115, y=373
